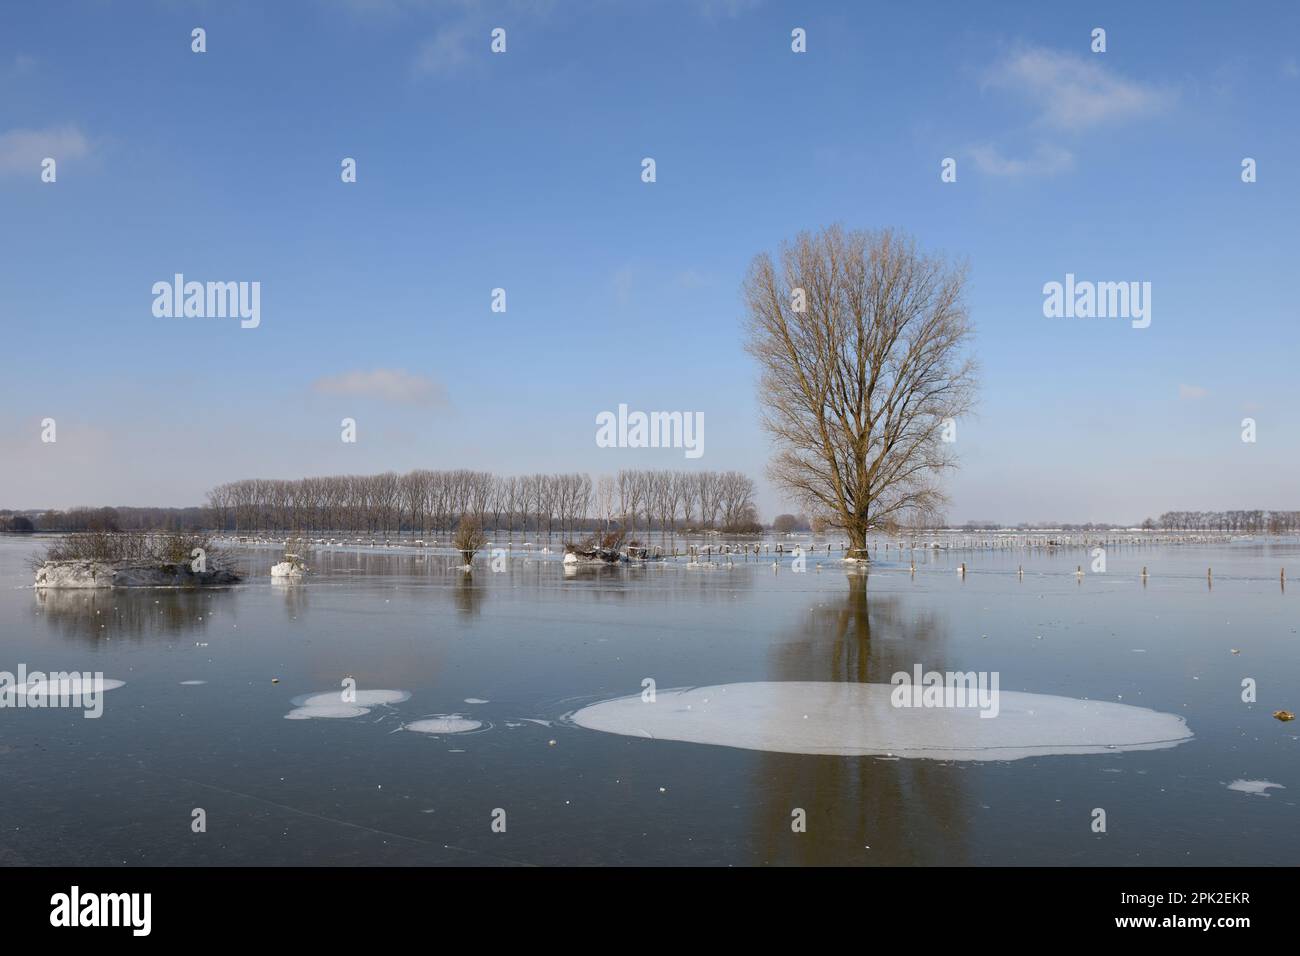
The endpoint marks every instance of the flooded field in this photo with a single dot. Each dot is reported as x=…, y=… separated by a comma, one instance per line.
x=502, y=717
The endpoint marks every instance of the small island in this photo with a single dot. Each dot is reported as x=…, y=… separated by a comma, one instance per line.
x=96, y=559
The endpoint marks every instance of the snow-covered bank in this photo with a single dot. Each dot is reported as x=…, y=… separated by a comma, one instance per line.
x=105, y=574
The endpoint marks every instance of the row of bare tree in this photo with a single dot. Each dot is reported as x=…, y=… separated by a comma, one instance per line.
x=1249, y=522
x=423, y=501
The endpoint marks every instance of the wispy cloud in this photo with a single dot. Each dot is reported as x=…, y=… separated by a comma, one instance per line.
x=1045, y=160
x=446, y=51
x=1190, y=392
x=21, y=150
x=464, y=37
x=390, y=385
x=1071, y=92
x=21, y=65
x=691, y=279
x=621, y=283
x=1067, y=94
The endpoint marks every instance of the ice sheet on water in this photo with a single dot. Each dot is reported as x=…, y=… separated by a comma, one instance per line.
x=1259, y=788
x=444, y=724
x=339, y=703
x=66, y=686
x=848, y=719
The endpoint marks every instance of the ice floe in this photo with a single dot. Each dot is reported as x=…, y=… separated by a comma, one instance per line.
x=1259, y=788
x=851, y=719
x=61, y=687
x=337, y=703
x=444, y=724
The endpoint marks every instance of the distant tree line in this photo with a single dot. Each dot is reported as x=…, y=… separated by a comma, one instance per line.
x=12, y=521
x=423, y=501
x=787, y=523
x=107, y=519
x=1246, y=522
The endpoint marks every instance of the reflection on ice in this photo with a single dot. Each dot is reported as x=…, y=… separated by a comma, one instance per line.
x=851, y=719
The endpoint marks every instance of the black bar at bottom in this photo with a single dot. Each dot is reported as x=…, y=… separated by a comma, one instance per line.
x=298, y=905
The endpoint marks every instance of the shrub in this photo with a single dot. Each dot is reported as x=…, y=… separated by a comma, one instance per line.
x=130, y=548
x=469, y=538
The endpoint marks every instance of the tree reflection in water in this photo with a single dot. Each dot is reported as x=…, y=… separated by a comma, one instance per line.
x=906, y=811
x=94, y=614
x=468, y=597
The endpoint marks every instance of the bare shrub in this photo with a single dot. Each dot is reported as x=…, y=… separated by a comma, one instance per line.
x=131, y=548
x=469, y=539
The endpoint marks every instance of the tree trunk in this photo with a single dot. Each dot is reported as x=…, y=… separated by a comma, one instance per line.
x=857, y=541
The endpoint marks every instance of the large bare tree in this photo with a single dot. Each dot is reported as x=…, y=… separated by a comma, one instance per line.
x=862, y=344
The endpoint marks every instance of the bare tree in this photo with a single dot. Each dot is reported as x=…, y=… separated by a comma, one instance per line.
x=860, y=341
x=736, y=499
x=706, y=492
x=606, y=499
x=386, y=496
x=684, y=489
x=412, y=494
x=513, y=499
x=480, y=494
x=499, y=502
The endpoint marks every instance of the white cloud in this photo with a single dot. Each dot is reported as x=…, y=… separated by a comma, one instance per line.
x=1072, y=92
x=21, y=150
x=389, y=385
x=1045, y=160
x=1189, y=392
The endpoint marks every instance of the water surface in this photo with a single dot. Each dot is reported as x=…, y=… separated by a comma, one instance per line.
x=482, y=669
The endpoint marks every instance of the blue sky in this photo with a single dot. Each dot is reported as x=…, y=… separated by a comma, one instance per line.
x=522, y=171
